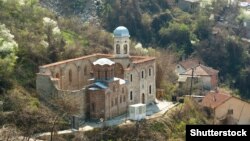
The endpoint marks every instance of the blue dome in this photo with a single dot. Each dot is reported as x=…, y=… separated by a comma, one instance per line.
x=121, y=31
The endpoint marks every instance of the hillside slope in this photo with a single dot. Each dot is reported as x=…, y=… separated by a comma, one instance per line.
x=84, y=9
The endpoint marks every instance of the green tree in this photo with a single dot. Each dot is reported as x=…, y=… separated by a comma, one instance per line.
x=55, y=40
x=242, y=82
x=179, y=34
x=203, y=28
x=8, y=50
x=219, y=6
x=141, y=18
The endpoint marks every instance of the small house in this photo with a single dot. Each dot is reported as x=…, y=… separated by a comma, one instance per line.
x=227, y=109
x=206, y=78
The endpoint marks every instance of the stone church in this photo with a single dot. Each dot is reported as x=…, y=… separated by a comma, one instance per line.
x=102, y=85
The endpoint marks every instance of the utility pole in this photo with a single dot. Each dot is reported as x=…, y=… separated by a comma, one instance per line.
x=191, y=86
x=137, y=126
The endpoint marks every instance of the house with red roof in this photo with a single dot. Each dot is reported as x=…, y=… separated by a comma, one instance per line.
x=227, y=109
x=205, y=77
x=183, y=66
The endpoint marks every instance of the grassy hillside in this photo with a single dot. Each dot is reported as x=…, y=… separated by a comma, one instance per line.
x=30, y=36
x=37, y=43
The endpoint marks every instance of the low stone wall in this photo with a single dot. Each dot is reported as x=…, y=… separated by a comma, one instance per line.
x=45, y=86
x=77, y=98
x=47, y=90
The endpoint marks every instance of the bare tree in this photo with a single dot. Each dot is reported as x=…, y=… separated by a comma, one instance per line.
x=65, y=106
x=166, y=62
x=9, y=133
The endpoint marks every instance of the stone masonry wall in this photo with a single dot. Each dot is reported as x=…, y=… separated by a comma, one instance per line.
x=47, y=90
x=116, y=99
x=75, y=98
x=140, y=85
x=72, y=75
x=97, y=102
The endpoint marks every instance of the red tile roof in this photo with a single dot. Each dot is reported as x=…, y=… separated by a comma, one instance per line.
x=209, y=70
x=214, y=99
x=190, y=63
x=144, y=59
x=135, y=59
x=201, y=70
x=75, y=59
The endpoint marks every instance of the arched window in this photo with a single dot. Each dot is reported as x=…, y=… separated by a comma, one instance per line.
x=116, y=101
x=57, y=75
x=125, y=48
x=85, y=70
x=122, y=90
x=93, y=107
x=124, y=98
x=106, y=75
x=70, y=76
x=150, y=89
x=149, y=72
x=143, y=98
x=120, y=99
x=111, y=73
x=131, y=95
x=118, y=49
x=131, y=77
x=142, y=74
x=118, y=70
x=98, y=74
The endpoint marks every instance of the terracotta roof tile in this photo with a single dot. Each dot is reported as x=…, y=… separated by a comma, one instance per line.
x=135, y=59
x=214, y=99
x=144, y=60
x=201, y=70
x=190, y=63
x=75, y=59
x=209, y=70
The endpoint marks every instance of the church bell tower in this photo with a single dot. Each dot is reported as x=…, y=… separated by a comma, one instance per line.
x=121, y=42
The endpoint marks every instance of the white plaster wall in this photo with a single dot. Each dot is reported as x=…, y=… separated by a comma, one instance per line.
x=206, y=82
x=179, y=69
x=240, y=110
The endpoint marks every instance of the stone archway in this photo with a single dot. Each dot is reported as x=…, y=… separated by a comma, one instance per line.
x=143, y=98
x=119, y=71
x=57, y=75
